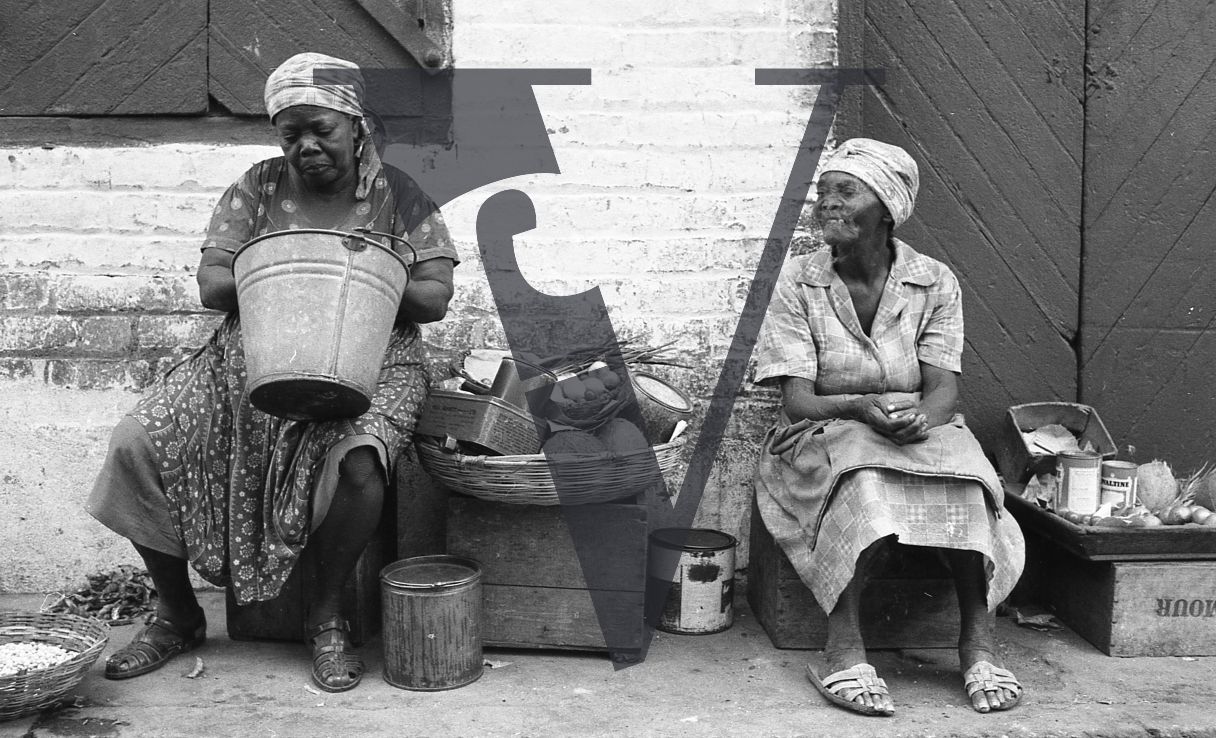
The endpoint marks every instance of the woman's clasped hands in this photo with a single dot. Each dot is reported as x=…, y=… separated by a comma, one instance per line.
x=897, y=418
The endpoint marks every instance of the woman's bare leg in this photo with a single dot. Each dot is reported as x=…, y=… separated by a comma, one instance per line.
x=176, y=604
x=844, y=648
x=977, y=634
x=349, y=525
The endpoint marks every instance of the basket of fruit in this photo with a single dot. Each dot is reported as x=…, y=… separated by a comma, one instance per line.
x=43, y=656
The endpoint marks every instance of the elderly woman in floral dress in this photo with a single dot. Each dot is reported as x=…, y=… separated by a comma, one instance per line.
x=196, y=476
x=865, y=339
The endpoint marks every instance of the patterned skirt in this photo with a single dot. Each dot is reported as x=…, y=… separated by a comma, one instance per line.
x=244, y=489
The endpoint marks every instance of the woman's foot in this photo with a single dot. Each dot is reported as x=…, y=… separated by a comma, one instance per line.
x=989, y=685
x=156, y=643
x=850, y=682
x=335, y=667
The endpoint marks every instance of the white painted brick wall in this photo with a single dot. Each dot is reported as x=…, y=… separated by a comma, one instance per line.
x=671, y=162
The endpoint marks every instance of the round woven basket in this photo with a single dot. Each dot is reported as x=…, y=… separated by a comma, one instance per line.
x=526, y=479
x=34, y=690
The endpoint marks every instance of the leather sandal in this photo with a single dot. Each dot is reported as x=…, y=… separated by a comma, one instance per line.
x=332, y=662
x=843, y=688
x=989, y=678
x=148, y=650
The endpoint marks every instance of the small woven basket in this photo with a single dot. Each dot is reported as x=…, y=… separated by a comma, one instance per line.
x=526, y=479
x=34, y=690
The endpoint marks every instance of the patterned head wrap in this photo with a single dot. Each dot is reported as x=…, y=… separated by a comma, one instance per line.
x=887, y=169
x=327, y=82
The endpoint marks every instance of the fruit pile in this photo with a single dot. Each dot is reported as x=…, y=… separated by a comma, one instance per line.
x=586, y=399
x=1162, y=499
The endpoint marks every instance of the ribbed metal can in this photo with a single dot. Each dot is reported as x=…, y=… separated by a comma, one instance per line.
x=432, y=622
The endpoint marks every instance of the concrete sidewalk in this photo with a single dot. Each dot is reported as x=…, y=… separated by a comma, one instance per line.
x=729, y=684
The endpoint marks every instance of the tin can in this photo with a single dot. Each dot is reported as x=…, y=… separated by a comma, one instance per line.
x=1079, y=475
x=1119, y=482
x=695, y=567
x=431, y=607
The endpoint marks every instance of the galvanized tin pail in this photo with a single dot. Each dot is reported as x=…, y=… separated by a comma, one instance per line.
x=698, y=567
x=317, y=310
x=432, y=622
x=662, y=406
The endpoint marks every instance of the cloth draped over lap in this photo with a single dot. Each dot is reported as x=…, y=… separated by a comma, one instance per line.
x=826, y=452
x=234, y=490
x=941, y=491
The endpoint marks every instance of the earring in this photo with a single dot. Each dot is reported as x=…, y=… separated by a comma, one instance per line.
x=359, y=150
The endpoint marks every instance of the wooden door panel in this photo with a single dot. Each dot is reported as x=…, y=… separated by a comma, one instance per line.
x=98, y=57
x=1147, y=356
x=998, y=140
x=248, y=40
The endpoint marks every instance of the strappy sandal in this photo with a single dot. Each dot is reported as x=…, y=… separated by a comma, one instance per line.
x=983, y=676
x=842, y=687
x=332, y=662
x=148, y=652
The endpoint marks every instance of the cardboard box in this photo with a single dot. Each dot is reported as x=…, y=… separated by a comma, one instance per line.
x=911, y=604
x=1018, y=463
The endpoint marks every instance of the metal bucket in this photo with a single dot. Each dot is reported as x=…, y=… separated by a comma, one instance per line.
x=661, y=406
x=697, y=565
x=432, y=622
x=317, y=310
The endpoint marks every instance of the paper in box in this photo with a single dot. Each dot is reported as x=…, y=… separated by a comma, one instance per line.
x=1018, y=463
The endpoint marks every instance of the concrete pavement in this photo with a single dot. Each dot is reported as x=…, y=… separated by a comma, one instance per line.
x=728, y=684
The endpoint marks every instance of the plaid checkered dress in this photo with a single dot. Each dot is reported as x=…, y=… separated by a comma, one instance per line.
x=930, y=494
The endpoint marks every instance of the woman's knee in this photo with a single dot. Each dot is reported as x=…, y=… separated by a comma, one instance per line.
x=361, y=467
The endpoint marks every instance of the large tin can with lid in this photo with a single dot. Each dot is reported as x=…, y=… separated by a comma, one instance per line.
x=1078, y=475
x=432, y=622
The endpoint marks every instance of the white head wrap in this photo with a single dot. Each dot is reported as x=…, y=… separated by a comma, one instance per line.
x=301, y=80
x=886, y=169
x=327, y=82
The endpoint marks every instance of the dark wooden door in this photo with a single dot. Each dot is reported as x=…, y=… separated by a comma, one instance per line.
x=1148, y=351
x=248, y=40
x=103, y=57
x=987, y=97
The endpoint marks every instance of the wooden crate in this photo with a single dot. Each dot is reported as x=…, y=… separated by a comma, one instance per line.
x=910, y=604
x=1114, y=592
x=536, y=585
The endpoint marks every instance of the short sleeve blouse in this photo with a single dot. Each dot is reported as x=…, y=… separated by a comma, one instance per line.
x=266, y=199
x=812, y=330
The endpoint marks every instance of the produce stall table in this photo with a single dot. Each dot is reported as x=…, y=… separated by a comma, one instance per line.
x=1128, y=591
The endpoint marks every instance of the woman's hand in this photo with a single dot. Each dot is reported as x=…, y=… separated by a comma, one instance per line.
x=898, y=418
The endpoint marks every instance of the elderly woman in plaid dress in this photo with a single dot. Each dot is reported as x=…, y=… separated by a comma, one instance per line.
x=865, y=340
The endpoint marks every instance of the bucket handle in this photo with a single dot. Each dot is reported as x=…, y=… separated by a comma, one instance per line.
x=365, y=232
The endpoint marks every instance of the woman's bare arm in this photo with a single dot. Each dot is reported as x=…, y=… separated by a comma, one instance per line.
x=216, y=285
x=429, y=291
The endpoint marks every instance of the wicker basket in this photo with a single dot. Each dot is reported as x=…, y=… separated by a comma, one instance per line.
x=35, y=690
x=525, y=480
